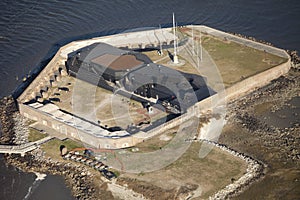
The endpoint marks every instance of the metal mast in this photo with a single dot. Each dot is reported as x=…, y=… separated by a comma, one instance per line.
x=161, y=51
x=175, y=58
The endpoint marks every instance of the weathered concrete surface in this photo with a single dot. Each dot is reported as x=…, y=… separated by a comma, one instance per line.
x=23, y=148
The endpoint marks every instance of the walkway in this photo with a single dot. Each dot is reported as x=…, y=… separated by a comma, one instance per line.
x=23, y=148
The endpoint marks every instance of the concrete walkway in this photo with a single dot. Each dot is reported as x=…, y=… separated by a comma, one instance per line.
x=23, y=148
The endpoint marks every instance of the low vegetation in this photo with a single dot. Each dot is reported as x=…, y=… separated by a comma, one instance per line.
x=52, y=148
x=156, y=142
x=210, y=174
x=35, y=135
x=237, y=62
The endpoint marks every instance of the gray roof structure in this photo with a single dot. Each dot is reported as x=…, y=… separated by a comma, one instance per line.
x=159, y=74
x=107, y=56
x=136, y=73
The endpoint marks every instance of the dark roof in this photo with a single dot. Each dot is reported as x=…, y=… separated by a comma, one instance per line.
x=137, y=73
x=110, y=57
x=154, y=73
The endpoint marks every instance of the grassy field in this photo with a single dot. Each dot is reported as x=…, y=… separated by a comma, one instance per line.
x=211, y=173
x=52, y=148
x=236, y=62
x=35, y=135
x=157, y=141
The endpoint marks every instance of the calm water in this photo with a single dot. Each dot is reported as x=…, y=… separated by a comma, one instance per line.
x=32, y=30
x=16, y=184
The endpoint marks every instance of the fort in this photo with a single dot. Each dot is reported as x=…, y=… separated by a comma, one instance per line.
x=121, y=65
x=123, y=97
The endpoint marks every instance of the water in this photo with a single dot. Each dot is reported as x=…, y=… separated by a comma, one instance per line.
x=32, y=30
x=17, y=185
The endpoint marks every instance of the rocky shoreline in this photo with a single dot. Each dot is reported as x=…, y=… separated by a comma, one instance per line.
x=276, y=147
x=255, y=171
x=78, y=178
x=295, y=59
x=279, y=91
x=15, y=131
x=7, y=110
x=251, y=38
x=286, y=140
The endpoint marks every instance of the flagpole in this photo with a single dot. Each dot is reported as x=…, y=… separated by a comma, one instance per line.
x=175, y=58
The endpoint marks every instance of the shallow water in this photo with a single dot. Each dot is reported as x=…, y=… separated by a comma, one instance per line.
x=16, y=184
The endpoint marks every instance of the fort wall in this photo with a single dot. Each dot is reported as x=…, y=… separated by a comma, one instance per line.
x=72, y=132
x=240, y=89
x=220, y=99
x=44, y=81
x=259, y=80
x=47, y=78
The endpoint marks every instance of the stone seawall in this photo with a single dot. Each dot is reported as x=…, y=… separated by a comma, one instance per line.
x=254, y=171
x=7, y=110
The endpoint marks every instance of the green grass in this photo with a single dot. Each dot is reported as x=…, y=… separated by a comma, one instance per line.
x=236, y=62
x=52, y=148
x=35, y=135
